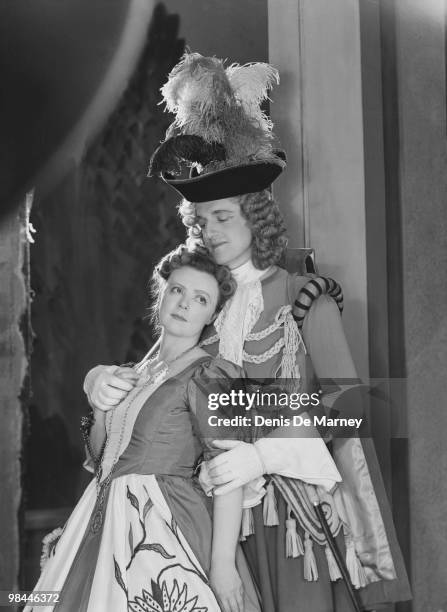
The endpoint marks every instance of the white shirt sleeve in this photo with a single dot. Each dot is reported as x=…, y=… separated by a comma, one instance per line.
x=307, y=459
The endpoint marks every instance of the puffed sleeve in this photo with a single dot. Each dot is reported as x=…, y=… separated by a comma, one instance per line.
x=211, y=383
x=215, y=398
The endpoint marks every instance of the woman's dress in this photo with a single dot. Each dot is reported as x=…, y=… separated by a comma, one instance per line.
x=146, y=546
x=302, y=582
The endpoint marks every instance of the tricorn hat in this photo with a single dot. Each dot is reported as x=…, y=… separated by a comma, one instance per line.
x=220, y=136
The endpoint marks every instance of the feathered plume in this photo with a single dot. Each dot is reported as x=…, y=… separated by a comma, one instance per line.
x=197, y=92
x=169, y=155
x=221, y=105
x=250, y=84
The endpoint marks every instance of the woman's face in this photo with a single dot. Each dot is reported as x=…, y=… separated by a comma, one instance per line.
x=189, y=302
x=225, y=231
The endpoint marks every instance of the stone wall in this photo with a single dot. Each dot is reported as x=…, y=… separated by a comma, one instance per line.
x=12, y=370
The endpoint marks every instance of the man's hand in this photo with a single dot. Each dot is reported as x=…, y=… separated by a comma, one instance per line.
x=235, y=468
x=227, y=587
x=110, y=386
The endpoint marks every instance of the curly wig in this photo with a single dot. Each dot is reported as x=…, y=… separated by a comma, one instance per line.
x=193, y=256
x=264, y=219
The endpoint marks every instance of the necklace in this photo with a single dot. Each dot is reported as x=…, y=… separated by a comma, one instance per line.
x=147, y=361
x=156, y=374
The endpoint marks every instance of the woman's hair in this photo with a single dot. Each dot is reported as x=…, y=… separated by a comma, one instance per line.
x=264, y=219
x=198, y=258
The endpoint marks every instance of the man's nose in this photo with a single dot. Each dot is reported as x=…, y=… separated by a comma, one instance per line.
x=209, y=230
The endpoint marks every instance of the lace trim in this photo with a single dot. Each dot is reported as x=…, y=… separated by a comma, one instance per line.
x=280, y=319
x=237, y=318
x=268, y=354
x=283, y=318
x=247, y=357
x=210, y=340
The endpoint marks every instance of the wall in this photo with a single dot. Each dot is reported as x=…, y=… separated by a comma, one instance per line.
x=336, y=132
x=318, y=113
x=232, y=29
x=421, y=90
x=12, y=369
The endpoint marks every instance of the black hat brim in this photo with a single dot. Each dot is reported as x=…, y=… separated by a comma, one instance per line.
x=230, y=181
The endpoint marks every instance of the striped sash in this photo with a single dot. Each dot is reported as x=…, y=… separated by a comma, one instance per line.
x=311, y=291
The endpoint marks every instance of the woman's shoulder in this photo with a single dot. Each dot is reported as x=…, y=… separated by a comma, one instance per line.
x=210, y=367
x=213, y=376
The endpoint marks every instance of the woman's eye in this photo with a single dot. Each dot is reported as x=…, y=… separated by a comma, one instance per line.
x=202, y=300
x=176, y=289
x=222, y=219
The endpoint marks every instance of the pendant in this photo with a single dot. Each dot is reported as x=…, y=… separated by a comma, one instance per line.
x=96, y=522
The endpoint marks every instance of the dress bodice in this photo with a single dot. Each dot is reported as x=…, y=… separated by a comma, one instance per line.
x=171, y=430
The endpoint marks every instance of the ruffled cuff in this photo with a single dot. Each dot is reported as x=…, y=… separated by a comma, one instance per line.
x=253, y=492
x=306, y=459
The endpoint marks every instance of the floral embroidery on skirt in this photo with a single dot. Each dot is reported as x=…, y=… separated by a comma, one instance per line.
x=144, y=563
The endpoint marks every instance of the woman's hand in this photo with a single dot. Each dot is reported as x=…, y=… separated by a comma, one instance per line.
x=108, y=387
x=227, y=586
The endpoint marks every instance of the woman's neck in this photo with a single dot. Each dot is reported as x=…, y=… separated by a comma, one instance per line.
x=171, y=347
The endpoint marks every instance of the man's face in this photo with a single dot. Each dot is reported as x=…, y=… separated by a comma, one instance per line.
x=225, y=231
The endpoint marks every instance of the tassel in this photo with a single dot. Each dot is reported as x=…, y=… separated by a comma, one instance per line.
x=269, y=509
x=334, y=571
x=294, y=544
x=355, y=568
x=292, y=342
x=310, y=563
x=248, y=525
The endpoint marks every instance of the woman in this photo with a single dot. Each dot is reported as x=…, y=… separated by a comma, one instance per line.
x=222, y=133
x=141, y=537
